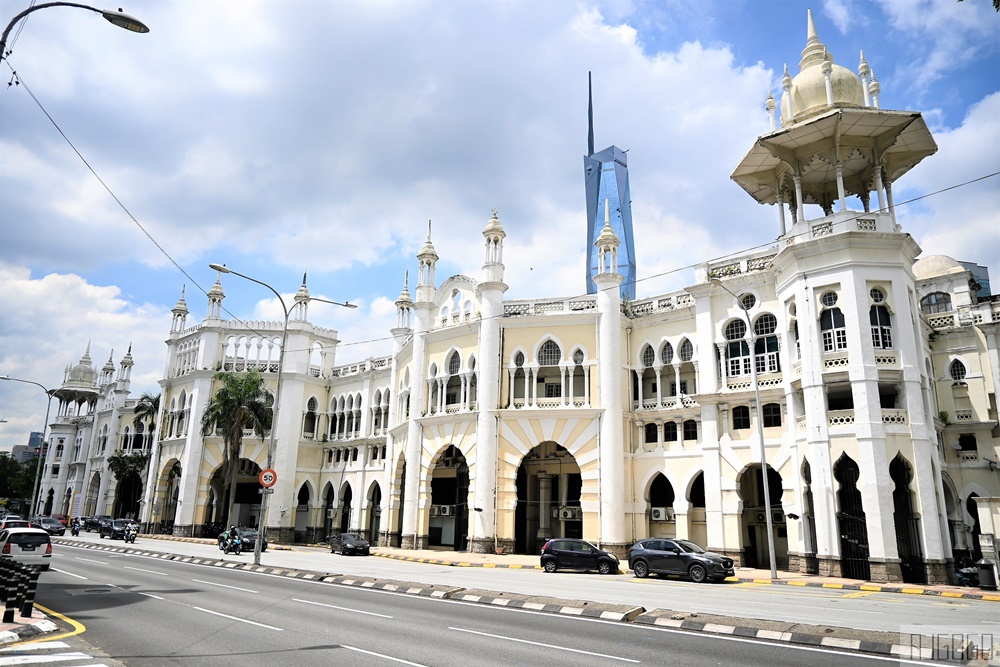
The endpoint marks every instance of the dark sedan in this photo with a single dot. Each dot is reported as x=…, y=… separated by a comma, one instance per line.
x=115, y=529
x=680, y=557
x=248, y=539
x=50, y=525
x=349, y=543
x=95, y=522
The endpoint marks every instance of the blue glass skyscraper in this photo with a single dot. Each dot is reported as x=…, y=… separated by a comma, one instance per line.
x=606, y=178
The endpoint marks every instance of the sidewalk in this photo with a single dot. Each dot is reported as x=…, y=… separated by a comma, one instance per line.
x=25, y=628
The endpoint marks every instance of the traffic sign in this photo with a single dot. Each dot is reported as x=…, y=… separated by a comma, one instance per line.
x=268, y=478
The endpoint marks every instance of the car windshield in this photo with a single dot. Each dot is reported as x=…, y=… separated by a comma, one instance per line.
x=350, y=537
x=248, y=533
x=119, y=523
x=51, y=522
x=689, y=547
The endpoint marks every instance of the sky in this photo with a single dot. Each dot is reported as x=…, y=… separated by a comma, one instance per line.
x=318, y=136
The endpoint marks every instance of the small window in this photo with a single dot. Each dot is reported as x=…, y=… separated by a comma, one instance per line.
x=667, y=353
x=765, y=325
x=670, y=432
x=650, y=432
x=736, y=330
x=741, y=418
x=967, y=442
x=690, y=430
x=454, y=364
x=877, y=295
x=687, y=351
x=829, y=299
x=648, y=357
x=748, y=301
x=937, y=302
x=549, y=354
x=772, y=415
x=578, y=357
x=553, y=390
x=519, y=359
x=957, y=371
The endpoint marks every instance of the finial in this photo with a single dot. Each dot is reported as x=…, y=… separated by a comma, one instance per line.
x=494, y=213
x=607, y=211
x=406, y=279
x=304, y=277
x=183, y=288
x=428, y=230
x=590, y=116
x=811, y=28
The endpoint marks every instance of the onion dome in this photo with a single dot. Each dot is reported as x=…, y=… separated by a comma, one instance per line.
x=493, y=227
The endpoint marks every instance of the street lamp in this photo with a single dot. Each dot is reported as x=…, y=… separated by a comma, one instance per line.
x=42, y=448
x=760, y=426
x=222, y=268
x=118, y=18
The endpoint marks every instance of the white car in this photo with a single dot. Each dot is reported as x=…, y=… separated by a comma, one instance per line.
x=28, y=546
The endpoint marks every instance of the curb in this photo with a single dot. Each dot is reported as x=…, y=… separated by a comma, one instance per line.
x=452, y=563
x=38, y=627
x=872, y=588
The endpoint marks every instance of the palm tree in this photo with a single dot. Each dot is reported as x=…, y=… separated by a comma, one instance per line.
x=242, y=403
x=147, y=408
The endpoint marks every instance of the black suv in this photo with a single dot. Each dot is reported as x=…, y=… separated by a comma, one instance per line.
x=571, y=554
x=681, y=557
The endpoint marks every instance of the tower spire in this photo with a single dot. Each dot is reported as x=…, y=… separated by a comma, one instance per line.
x=590, y=116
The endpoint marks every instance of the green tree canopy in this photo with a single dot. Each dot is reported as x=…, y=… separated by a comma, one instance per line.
x=241, y=403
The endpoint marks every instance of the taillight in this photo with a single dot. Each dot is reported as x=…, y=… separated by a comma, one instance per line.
x=48, y=549
x=6, y=548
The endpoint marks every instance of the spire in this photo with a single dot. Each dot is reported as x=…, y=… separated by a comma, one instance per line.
x=815, y=52
x=590, y=116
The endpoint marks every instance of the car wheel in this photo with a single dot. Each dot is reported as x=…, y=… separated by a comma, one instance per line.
x=697, y=573
x=551, y=565
x=44, y=568
x=640, y=569
x=604, y=567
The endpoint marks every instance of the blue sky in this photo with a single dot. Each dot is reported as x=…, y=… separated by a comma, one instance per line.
x=307, y=135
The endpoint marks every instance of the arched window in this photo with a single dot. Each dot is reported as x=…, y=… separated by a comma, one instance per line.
x=936, y=302
x=772, y=415
x=549, y=354
x=737, y=350
x=454, y=364
x=766, y=344
x=687, y=351
x=667, y=353
x=881, y=328
x=957, y=371
x=309, y=424
x=741, y=418
x=549, y=374
x=650, y=433
x=831, y=324
x=648, y=356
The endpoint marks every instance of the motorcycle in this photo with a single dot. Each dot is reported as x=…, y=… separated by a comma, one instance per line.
x=130, y=534
x=234, y=545
x=74, y=529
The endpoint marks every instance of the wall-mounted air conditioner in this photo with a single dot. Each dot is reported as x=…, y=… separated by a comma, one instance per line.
x=555, y=512
x=331, y=513
x=435, y=510
x=569, y=513
x=661, y=514
x=447, y=510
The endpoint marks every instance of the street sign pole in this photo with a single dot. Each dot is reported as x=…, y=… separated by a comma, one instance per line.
x=267, y=478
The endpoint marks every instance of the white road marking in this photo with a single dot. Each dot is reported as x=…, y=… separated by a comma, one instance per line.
x=56, y=569
x=553, y=646
x=381, y=655
x=333, y=606
x=99, y=562
x=150, y=595
x=39, y=659
x=32, y=647
x=236, y=618
x=235, y=588
x=139, y=569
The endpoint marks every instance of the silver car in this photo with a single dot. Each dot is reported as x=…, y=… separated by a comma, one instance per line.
x=29, y=546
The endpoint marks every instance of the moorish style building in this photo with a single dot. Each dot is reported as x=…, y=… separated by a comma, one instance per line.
x=496, y=424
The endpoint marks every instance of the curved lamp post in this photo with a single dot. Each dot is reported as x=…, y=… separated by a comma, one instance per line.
x=222, y=268
x=42, y=448
x=118, y=18
x=760, y=426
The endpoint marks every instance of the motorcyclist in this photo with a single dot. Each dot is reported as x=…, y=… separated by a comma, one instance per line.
x=231, y=536
x=75, y=527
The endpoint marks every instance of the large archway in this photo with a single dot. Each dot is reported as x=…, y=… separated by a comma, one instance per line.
x=346, y=498
x=697, y=519
x=246, y=503
x=128, y=491
x=93, y=491
x=851, y=521
x=548, y=497
x=753, y=519
x=301, y=525
x=374, y=512
x=660, y=499
x=329, y=511
x=907, y=525
x=448, y=524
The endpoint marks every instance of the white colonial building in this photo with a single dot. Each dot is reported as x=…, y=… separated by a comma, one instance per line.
x=495, y=424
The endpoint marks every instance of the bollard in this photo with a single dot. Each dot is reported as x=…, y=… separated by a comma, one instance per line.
x=10, y=592
x=27, y=607
x=22, y=586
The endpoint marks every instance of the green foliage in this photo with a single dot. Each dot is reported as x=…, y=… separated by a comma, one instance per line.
x=147, y=409
x=16, y=479
x=123, y=465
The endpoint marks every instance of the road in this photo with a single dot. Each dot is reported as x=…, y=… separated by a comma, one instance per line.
x=851, y=609
x=149, y=612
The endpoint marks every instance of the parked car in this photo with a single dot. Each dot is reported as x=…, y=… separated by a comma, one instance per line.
x=115, y=529
x=49, y=524
x=680, y=557
x=30, y=546
x=574, y=554
x=14, y=522
x=61, y=518
x=92, y=523
x=349, y=543
x=248, y=539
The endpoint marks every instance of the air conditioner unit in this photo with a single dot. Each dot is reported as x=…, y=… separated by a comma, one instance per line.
x=778, y=517
x=569, y=513
x=435, y=510
x=761, y=517
x=447, y=510
x=555, y=512
x=331, y=513
x=661, y=514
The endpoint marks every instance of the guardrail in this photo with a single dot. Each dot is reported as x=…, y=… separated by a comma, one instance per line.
x=20, y=586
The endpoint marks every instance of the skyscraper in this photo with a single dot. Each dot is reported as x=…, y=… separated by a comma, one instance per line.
x=606, y=178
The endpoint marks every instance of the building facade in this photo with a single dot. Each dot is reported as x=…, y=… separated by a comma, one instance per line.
x=496, y=424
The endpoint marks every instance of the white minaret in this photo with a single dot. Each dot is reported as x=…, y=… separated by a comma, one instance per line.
x=423, y=316
x=491, y=291
x=612, y=454
x=215, y=297
x=180, y=312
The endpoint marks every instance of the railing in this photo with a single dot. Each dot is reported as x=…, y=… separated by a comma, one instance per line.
x=968, y=457
x=835, y=360
x=963, y=415
x=529, y=308
x=887, y=358
x=894, y=416
x=840, y=418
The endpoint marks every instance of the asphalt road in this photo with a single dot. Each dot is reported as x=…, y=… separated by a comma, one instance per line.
x=149, y=612
x=887, y=612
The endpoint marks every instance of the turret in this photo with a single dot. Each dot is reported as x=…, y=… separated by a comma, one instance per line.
x=180, y=312
x=425, y=278
x=215, y=297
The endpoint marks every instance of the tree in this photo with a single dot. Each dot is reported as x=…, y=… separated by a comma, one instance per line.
x=146, y=410
x=128, y=469
x=243, y=403
x=16, y=478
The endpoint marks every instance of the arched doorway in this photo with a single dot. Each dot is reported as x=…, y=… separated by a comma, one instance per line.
x=661, y=507
x=697, y=520
x=808, y=521
x=911, y=557
x=754, y=518
x=374, y=512
x=973, y=509
x=851, y=521
x=50, y=499
x=346, y=496
x=302, y=514
x=449, y=511
x=128, y=491
x=93, y=490
x=170, y=496
x=329, y=497
x=548, y=497
x=246, y=502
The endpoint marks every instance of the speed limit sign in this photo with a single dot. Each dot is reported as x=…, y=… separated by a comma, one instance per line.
x=267, y=478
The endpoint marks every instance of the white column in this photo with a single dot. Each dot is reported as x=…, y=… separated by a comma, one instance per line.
x=841, y=193
x=544, y=505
